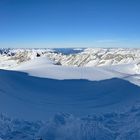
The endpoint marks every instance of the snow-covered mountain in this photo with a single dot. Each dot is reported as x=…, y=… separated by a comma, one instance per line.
x=98, y=57
x=73, y=57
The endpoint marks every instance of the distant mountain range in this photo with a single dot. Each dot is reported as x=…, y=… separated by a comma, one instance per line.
x=72, y=57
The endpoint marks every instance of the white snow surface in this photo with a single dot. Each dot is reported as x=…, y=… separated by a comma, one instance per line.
x=44, y=68
x=90, y=64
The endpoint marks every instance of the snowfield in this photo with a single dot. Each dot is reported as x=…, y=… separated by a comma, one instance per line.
x=90, y=64
x=44, y=68
x=76, y=94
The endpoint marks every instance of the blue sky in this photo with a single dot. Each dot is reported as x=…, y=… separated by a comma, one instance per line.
x=69, y=23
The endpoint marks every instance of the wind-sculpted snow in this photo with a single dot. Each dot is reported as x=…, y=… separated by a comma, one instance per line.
x=34, y=98
x=108, y=126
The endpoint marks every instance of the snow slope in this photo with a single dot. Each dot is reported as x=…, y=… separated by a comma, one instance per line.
x=107, y=109
x=31, y=98
x=95, y=97
x=91, y=64
x=42, y=67
x=109, y=126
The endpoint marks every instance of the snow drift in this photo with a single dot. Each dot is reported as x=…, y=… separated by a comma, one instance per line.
x=34, y=98
x=108, y=126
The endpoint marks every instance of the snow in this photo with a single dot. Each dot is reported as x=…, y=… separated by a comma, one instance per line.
x=85, y=57
x=45, y=68
x=91, y=64
x=98, y=57
x=42, y=67
x=35, y=98
x=93, y=94
x=108, y=126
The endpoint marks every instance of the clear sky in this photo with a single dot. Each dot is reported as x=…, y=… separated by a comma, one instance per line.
x=69, y=23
